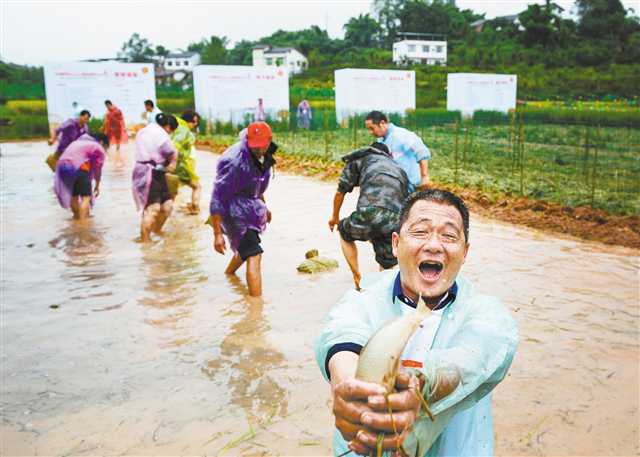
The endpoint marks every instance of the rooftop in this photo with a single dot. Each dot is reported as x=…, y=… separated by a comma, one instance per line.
x=180, y=55
x=278, y=50
x=269, y=50
x=421, y=36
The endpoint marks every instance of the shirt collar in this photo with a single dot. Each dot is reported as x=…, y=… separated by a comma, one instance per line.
x=448, y=298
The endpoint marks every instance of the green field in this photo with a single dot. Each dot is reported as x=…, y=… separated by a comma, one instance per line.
x=573, y=157
x=570, y=165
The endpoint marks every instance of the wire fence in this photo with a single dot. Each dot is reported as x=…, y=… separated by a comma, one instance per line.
x=568, y=163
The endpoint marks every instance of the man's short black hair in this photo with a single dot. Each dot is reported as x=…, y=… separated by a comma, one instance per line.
x=85, y=112
x=149, y=103
x=438, y=196
x=101, y=138
x=189, y=116
x=376, y=117
x=163, y=119
x=108, y=102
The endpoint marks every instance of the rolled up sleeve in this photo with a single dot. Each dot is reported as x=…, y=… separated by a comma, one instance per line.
x=346, y=326
x=415, y=143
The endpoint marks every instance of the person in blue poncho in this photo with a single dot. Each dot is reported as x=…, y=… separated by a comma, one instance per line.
x=468, y=337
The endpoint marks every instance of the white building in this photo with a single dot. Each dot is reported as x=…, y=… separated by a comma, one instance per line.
x=289, y=58
x=427, y=52
x=184, y=61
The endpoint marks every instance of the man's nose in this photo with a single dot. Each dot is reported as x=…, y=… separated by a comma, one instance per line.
x=432, y=243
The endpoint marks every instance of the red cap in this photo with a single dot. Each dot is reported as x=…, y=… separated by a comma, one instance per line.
x=259, y=135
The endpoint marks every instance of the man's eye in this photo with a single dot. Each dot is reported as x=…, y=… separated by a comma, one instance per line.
x=450, y=236
x=420, y=233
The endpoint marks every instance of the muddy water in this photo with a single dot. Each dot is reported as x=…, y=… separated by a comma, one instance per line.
x=113, y=347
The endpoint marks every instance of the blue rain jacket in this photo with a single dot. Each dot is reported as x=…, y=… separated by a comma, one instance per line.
x=477, y=336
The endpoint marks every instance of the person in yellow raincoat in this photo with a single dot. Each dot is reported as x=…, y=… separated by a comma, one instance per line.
x=184, y=140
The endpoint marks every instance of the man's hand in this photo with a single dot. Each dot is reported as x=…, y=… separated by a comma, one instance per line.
x=405, y=405
x=268, y=217
x=96, y=191
x=333, y=222
x=349, y=404
x=50, y=141
x=219, y=244
x=424, y=184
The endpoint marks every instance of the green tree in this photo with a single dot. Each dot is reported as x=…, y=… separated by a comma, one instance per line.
x=386, y=13
x=363, y=32
x=601, y=19
x=606, y=30
x=304, y=40
x=439, y=16
x=136, y=49
x=161, y=51
x=213, y=50
x=240, y=54
x=542, y=24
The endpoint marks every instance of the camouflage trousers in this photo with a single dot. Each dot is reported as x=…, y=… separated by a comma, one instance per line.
x=375, y=225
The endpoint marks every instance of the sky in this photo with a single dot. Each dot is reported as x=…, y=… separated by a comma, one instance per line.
x=36, y=32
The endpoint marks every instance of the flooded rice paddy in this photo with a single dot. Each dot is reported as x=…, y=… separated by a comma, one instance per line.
x=110, y=346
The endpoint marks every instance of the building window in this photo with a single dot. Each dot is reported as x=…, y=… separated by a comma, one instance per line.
x=177, y=63
x=279, y=61
x=186, y=63
x=438, y=48
x=412, y=48
x=425, y=48
x=269, y=61
x=169, y=63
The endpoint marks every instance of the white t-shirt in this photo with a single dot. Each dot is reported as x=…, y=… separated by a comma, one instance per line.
x=150, y=117
x=421, y=341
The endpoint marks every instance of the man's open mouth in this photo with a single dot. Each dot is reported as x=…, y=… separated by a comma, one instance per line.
x=431, y=269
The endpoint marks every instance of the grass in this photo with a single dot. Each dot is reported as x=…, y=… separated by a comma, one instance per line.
x=559, y=155
x=568, y=164
x=22, y=126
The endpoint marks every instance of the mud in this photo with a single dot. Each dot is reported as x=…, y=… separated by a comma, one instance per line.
x=112, y=347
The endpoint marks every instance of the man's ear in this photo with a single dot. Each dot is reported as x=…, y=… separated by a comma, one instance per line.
x=394, y=243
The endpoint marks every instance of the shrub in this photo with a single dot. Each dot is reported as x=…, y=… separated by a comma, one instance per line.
x=27, y=106
x=176, y=105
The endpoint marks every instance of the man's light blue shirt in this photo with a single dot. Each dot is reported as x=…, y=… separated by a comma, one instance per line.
x=408, y=150
x=477, y=336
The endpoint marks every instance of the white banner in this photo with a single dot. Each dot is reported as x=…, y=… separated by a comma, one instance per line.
x=89, y=84
x=469, y=92
x=360, y=91
x=232, y=93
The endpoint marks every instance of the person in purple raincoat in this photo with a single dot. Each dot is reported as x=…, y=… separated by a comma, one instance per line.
x=66, y=133
x=79, y=165
x=155, y=155
x=238, y=209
